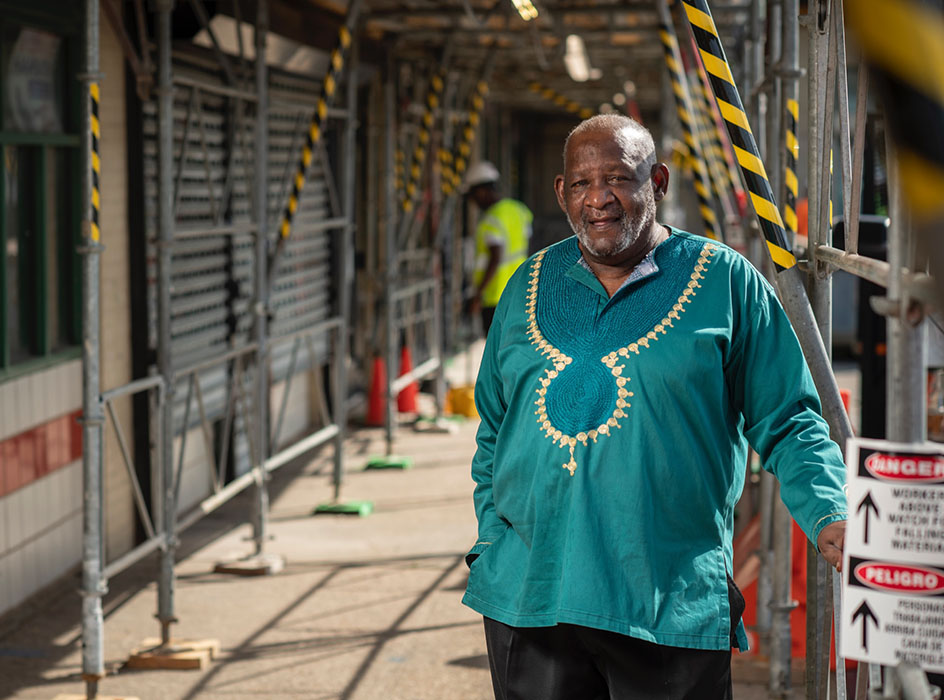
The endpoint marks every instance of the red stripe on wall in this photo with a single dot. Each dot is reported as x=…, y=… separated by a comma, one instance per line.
x=29, y=456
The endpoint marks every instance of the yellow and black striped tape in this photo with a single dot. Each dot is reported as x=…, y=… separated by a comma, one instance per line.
x=714, y=157
x=316, y=128
x=739, y=130
x=96, y=128
x=734, y=181
x=683, y=106
x=552, y=95
x=421, y=149
x=454, y=165
x=903, y=41
x=398, y=170
x=790, y=166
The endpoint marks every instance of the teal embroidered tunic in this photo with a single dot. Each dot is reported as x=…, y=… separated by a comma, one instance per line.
x=614, y=438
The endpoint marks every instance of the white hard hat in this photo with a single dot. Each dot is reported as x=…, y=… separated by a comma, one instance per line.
x=481, y=173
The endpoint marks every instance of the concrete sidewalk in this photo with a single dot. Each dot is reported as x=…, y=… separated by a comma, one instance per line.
x=366, y=608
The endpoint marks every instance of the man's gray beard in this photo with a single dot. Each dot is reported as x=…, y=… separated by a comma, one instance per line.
x=629, y=233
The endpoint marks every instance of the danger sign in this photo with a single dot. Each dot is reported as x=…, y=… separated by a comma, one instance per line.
x=893, y=569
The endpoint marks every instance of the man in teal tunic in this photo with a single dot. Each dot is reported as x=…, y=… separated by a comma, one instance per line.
x=626, y=371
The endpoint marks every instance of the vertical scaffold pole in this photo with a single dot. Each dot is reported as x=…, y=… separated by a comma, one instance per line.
x=772, y=85
x=261, y=307
x=790, y=285
x=165, y=219
x=93, y=555
x=906, y=419
x=390, y=249
x=346, y=274
x=782, y=524
x=819, y=598
x=683, y=106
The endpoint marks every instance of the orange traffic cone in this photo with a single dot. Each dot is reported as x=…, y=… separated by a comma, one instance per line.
x=376, y=415
x=406, y=399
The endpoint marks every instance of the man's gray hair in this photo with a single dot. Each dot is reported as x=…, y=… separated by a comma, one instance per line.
x=634, y=136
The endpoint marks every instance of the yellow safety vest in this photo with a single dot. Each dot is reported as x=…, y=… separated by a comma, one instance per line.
x=509, y=220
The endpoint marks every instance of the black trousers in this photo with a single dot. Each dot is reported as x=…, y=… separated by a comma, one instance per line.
x=568, y=662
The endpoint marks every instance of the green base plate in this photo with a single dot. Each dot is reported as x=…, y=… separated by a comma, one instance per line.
x=451, y=417
x=389, y=462
x=359, y=508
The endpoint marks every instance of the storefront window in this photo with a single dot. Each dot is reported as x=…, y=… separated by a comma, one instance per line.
x=38, y=205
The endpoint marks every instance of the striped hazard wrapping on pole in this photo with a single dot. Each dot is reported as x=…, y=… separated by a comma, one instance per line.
x=415, y=173
x=790, y=166
x=714, y=156
x=739, y=130
x=560, y=100
x=316, y=128
x=903, y=41
x=732, y=176
x=689, y=135
x=454, y=165
x=95, y=127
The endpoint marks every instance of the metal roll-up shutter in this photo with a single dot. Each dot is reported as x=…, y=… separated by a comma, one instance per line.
x=212, y=276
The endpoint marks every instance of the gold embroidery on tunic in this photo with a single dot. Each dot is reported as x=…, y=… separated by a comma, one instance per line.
x=560, y=360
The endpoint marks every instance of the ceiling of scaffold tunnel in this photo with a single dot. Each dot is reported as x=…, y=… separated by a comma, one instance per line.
x=589, y=52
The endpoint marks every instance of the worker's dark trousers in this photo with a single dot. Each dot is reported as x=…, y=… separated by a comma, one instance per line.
x=567, y=662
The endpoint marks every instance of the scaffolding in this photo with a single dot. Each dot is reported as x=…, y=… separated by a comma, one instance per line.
x=418, y=262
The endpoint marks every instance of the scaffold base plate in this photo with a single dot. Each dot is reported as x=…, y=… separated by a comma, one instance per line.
x=389, y=462
x=259, y=565
x=359, y=508
x=185, y=654
x=446, y=424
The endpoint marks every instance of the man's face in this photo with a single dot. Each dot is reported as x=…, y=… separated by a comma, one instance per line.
x=481, y=195
x=608, y=195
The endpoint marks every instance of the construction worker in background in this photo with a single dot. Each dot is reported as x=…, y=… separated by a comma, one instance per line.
x=501, y=239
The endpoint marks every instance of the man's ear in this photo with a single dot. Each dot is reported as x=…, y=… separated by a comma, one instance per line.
x=660, y=180
x=559, y=191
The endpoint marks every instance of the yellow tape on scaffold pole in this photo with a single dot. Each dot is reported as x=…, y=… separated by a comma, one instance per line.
x=454, y=165
x=739, y=130
x=714, y=156
x=329, y=88
x=683, y=106
x=732, y=176
x=792, y=147
x=421, y=149
x=96, y=128
x=560, y=100
x=903, y=41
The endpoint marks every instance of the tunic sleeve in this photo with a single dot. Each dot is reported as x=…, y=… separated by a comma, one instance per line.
x=771, y=385
x=491, y=407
